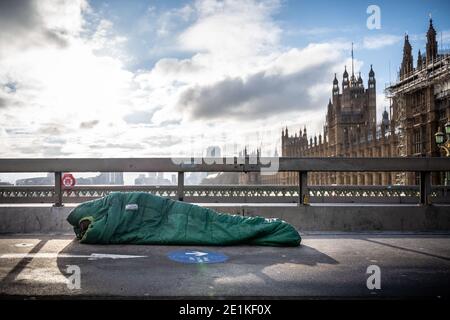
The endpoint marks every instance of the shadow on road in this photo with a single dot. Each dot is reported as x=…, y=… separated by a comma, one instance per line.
x=22, y=264
x=407, y=249
x=240, y=254
x=250, y=270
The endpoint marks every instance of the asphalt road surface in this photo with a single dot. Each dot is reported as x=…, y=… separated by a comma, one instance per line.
x=325, y=265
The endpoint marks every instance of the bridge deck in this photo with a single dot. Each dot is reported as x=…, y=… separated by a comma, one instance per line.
x=325, y=265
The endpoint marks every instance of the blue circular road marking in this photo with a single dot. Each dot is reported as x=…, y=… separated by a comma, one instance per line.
x=197, y=256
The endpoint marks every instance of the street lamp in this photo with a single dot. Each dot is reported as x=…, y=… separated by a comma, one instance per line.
x=439, y=136
x=444, y=145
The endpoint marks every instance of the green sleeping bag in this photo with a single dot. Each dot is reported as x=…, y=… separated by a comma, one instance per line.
x=143, y=218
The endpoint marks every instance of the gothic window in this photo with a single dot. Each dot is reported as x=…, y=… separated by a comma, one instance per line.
x=417, y=141
x=442, y=115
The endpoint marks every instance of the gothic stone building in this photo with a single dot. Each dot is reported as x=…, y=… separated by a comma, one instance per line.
x=420, y=103
x=351, y=130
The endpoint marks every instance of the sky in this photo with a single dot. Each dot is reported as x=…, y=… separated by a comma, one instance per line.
x=139, y=78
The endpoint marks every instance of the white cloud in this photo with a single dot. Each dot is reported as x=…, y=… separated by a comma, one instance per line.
x=295, y=80
x=60, y=84
x=380, y=41
x=79, y=98
x=169, y=20
x=31, y=24
x=232, y=28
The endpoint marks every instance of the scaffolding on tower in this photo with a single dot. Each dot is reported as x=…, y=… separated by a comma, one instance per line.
x=436, y=73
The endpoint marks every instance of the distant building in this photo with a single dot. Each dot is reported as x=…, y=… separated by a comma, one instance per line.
x=213, y=152
x=114, y=178
x=222, y=178
x=37, y=181
x=350, y=130
x=196, y=178
x=108, y=178
x=152, y=179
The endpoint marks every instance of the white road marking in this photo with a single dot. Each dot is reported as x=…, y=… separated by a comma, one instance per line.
x=197, y=253
x=95, y=256
x=52, y=255
x=24, y=245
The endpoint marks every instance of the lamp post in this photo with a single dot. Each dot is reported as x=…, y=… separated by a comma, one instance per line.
x=444, y=144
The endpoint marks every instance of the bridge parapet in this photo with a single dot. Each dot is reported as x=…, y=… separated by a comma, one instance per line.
x=233, y=193
x=301, y=194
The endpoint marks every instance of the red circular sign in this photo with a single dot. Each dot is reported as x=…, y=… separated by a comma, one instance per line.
x=68, y=180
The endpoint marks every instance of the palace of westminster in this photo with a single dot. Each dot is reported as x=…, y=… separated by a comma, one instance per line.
x=420, y=104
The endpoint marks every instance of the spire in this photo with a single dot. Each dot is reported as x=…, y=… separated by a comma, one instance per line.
x=407, y=62
x=335, y=86
x=345, y=72
x=385, y=120
x=353, y=78
x=371, y=81
x=335, y=81
x=345, y=79
x=419, y=60
x=406, y=44
x=385, y=114
x=353, y=66
x=431, y=43
x=371, y=72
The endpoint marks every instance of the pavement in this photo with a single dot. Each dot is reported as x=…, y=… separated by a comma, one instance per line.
x=325, y=265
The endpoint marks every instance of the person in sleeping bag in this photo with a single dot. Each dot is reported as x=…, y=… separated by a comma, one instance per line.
x=143, y=218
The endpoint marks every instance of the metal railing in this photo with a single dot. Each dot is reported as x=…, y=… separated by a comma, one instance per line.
x=301, y=194
x=232, y=193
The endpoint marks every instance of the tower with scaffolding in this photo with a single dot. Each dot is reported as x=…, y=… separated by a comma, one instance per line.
x=420, y=102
